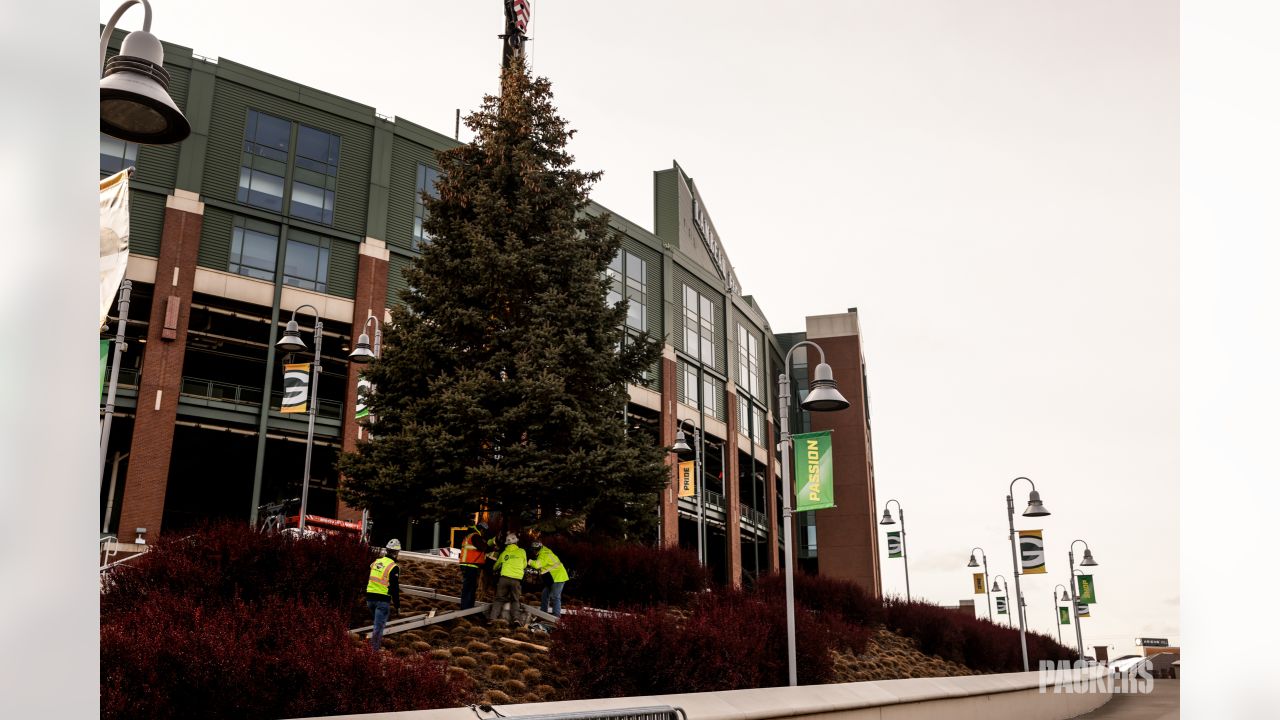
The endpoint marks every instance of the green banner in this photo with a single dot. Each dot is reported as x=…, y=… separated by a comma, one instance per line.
x=363, y=389
x=1064, y=616
x=1085, y=585
x=104, y=347
x=895, y=543
x=1001, y=607
x=814, y=479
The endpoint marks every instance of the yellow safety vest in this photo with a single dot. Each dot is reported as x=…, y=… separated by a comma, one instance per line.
x=547, y=562
x=380, y=576
x=512, y=561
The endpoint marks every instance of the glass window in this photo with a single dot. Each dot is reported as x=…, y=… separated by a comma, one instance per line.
x=253, y=253
x=744, y=420
x=710, y=398
x=699, y=326
x=315, y=177
x=757, y=429
x=427, y=177
x=691, y=344
x=690, y=384
x=306, y=262
x=748, y=362
x=115, y=154
x=629, y=278
x=265, y=164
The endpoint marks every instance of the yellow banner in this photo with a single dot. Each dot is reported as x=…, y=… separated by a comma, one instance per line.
x=979, y=586
x=688, y=486
x=297, y=388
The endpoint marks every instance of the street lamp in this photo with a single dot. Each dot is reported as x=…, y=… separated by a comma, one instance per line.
x=134, y=103
x=1035, y=508
x=109, y=410
x=292, y=342
x=973, y=563
x=995, y=588
x=888, y=520
x=1088, y=561
x=682, y=446
x=1057, y=620
x=362, y=354
x=823, y=397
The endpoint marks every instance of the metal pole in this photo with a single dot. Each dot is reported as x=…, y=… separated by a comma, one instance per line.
x=702, y=489
x=1017, y=584
x=1075, y=605
x=1057, y=620
x=784, y=412
x=111, y=26
x=987, y=584
x=902, y=519
x=311, y=426
x=126, y=287
x=111, y=490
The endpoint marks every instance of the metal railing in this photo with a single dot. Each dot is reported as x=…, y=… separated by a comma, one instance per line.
x=106, y=550
x=128, y=378
x=248, y=396
x=715, y=501
x=755, y=517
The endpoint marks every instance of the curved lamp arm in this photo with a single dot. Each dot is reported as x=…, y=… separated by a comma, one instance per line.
x=1015, y=480
x=377, y=333
x=111, y=26
x=786, y=361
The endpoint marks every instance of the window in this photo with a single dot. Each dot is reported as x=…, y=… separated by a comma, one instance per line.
x=690, y=384
x=315, y=175
x=699, y=326
x=744, y=408
x=115, y=154
x=264, y=165
x=306, y=261
x=427, y=177
x=629, y=277
x=710, y=396
x=757, y=430
x=253, y=252
x=748, y=362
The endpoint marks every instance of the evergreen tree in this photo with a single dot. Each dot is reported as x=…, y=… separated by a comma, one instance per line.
x=502, y=377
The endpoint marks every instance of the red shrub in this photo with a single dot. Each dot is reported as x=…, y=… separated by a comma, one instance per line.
x=169, y=656
x=826, y=596
x=728, y=641
x=616, y=575
x=977, y=643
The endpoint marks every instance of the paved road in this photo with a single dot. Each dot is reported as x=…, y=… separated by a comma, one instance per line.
x=1160, y=704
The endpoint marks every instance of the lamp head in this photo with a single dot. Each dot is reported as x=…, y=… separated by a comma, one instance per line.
x=1064, y=597
x=362, y=352
x=681, y=445
x=134, y=103
x=887, y=519
x=1088, y=560
x=1035, y=508
x=973, y=561
x=292, y=340
x=823, y=395
x=995, y=586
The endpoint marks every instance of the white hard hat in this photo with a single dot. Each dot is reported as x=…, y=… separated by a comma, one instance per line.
x=512, y=538
x=393, y=544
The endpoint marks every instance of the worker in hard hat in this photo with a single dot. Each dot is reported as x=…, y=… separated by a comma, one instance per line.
x=475, y=546
x=510, y=568
x=383, y=590
x=554, y=576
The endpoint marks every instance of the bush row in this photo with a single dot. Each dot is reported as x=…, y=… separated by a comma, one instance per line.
x=611, y=575
x=975, y=642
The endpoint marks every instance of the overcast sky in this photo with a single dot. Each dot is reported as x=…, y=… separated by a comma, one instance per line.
x=992, y=184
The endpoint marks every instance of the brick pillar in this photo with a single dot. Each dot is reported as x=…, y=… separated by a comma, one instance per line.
x=161, y=381
x=732, y=489
x=771, y=497
x=370, y=301
x=667, y=423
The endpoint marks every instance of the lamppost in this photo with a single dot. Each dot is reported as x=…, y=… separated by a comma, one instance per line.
x=823, y=397
x=1088, y=561
x=1056, y=619
x=888, y=520
x=974, y=563
x=126, y=287
x=292, y=342
x=134, y=103
x=362, y=354
x=682, y=446
x=995, y=588
x=1035, y=508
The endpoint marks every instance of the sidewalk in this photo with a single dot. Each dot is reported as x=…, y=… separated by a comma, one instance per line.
x=1160, y=704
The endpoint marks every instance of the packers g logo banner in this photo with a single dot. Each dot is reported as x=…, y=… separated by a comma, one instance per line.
x=895, y=543
x=1001, y=607
x=1031, y=544
x=814, y=480
x=297, y=382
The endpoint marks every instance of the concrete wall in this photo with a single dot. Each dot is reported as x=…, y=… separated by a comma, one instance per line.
x=978, y=697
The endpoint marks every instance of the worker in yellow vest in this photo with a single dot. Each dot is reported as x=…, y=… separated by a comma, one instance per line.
x=554, y=576
x=510, y=568
x=475, y=546
x=383, y=590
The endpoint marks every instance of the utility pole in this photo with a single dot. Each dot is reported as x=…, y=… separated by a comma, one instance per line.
x=518, y=13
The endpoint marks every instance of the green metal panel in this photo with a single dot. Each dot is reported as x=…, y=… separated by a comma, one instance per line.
x=215, y=239
x=395, y=278
x=199, y=105
x=344, y=257
x=380, y=180
x=231, y=103
x=666, y=206
x=406, y=155
x=146, y=222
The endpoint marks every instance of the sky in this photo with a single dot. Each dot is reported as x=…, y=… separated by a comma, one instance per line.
x=994, y=185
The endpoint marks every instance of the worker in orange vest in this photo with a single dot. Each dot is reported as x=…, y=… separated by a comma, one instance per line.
x=475, y=546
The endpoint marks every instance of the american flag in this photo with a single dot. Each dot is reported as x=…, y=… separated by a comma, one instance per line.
x=523, y=11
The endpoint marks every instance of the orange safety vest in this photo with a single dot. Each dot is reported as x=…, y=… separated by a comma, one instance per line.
x=472, y=554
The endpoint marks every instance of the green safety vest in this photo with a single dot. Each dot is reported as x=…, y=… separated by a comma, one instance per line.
x=380, y=576
x=512, y=561
x=547, y=562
